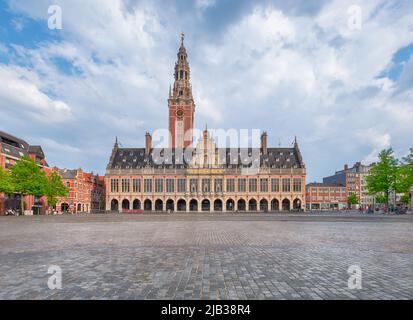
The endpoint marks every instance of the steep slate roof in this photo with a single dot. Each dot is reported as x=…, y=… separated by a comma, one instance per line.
x=37, y=150
x=13, y=146
x=8, y=139
x=68, y=174
x=135, y=158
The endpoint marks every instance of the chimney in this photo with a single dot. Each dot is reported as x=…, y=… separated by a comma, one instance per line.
x=264, y=145
x=148, y=143
x=346, y=167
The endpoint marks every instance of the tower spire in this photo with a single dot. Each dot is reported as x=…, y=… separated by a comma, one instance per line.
x=182, y=39
x=181, y=103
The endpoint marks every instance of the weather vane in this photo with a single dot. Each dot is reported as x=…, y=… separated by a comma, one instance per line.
x=182, y=38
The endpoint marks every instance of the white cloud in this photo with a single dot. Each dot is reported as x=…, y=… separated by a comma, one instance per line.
x=19, y=92
x=203, y=4
x=308, y=76
x=374, y=140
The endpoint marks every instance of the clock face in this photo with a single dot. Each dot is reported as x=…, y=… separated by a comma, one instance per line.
x=180, y=113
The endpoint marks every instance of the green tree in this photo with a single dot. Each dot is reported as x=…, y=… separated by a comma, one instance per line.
x=405, y=199
x=384, y=176
x=352, y=199
x=27, y=178
x=6, y=183
x=405, y=173
x=55, y=189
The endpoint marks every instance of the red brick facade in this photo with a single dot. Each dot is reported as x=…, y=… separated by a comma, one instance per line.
x=181, y=104
x=11, y=150
x=324, y=196
x=86, y=192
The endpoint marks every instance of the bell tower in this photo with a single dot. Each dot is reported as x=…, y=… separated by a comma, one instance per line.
x=181, y=103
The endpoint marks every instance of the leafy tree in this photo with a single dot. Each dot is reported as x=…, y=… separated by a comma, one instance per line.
x=352, y=199
x=384, y=176
x=27, y=178
x=6, y=183
x=405, y=199
x=381, y=199
x=406, y=173
x=55, y=189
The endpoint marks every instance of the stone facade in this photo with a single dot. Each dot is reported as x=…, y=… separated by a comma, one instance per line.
x=86, y=192
x=324, y=196
x=202, y=178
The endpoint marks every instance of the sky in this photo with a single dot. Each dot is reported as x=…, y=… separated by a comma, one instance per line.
x=309, y=69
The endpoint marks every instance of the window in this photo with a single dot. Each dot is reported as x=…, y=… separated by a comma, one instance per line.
x=218, y=185
x=193, y=185
x=264, y=185
x=158, y=185
x=136, y=185
x=242, y=185
x=147, y=185
x=181, y=185
x=275, y=185
x=170, y=185
x=230, y=185
x=252, y=185
x=286, y=185
x=114, y=185
x=125, y=185
x=206, y=185
x=297, y=185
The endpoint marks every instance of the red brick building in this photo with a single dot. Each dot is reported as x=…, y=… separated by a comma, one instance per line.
x=326, y=196
x=11, y=150
x=86, y=191
x=207, y=178
x=354, y=179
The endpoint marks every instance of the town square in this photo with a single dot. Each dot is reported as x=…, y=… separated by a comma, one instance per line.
x=208, y=257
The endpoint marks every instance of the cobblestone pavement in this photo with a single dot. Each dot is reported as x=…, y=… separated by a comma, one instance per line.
x=207, y=256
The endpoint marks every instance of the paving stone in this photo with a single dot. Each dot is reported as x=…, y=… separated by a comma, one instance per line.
x=206, y=257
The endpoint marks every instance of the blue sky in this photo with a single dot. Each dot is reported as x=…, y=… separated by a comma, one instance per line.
x=293, y=68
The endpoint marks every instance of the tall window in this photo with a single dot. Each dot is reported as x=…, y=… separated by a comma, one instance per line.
x=181, y=185
x=297, y=185
x=136, y=185
x=147, y=185
x=286, y=185
x=114, y=185
x=242, y=185
x=218, y=185
x=125, y=185
x=158, y=185
x=193, y=184
x=264, y=185
x=230, y=185
x=170, y=187
x=275, y=185
x=206, y=185
x=252, y=185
